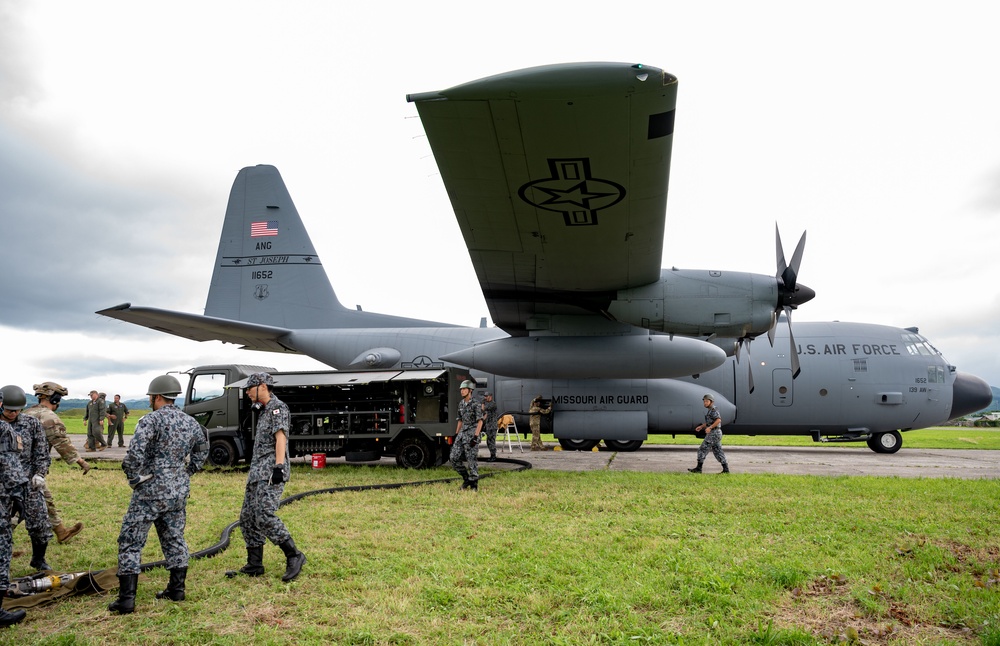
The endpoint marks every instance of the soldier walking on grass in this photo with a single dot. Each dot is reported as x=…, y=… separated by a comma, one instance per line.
x=465, y=448
x=713, y=436
x=12, y=481
x=169, y=446
x=49, y=396
x=35, y=462
x=269, y=471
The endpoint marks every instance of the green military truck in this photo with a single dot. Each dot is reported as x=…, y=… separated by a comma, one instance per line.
x=361, y=416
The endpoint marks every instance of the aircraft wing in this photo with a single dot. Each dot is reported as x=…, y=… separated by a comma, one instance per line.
x=558, y=177
x=251, y=336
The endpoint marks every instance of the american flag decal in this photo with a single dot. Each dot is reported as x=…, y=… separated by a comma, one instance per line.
x=268, y=228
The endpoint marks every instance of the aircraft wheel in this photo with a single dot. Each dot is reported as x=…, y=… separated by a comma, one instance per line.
x=415, y=453
x=623, y=445
x=885, y=442
x=578, y=445
x=221, y=453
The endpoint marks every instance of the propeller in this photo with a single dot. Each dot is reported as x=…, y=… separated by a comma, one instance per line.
x=790, y=293
x=739, y=344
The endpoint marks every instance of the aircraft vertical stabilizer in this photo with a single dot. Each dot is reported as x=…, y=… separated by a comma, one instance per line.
x=267, y=270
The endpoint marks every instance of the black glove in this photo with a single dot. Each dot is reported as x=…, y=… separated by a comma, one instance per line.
x=17, y=508
x=277, y=475
x=474, y=441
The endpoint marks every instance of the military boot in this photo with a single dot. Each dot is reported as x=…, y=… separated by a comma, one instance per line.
x=10, y=618
x=63, y=534
x=697, y=469
x=38, y=548
x=294, y=559
x=255, y=563
x=175, y=587
x=125, y=604
x=474, y=485
x=725, y=468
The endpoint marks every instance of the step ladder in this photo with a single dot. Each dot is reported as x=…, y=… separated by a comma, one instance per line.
x=508, y=426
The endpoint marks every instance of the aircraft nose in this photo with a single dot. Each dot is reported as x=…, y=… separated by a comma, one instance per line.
x=969, y=394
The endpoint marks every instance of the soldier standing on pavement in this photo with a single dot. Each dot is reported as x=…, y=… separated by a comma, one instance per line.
x=93, y=417
x=490, y=424
x=49, y=396
x=713, y=435
x=536, y=410
x=35, y=462
x=269, y=471
x=465, y=448
x=117, y=414
x=12, y=481
x=169, y=446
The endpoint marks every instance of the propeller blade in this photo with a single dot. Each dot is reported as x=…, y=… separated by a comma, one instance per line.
x=749, y=369
x=779, y=252
x=790, y=274
x=793, y=352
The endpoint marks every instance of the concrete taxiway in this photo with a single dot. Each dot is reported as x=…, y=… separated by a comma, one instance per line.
x=820, y=460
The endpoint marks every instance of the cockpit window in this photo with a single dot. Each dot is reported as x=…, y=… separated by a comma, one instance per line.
x=935, y=374
x=917, y=345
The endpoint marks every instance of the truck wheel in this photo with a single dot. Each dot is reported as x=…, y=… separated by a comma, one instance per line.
x=885, y=442
x=414, y=453
x=626, y=446
x=578, y=445
x=221, y=453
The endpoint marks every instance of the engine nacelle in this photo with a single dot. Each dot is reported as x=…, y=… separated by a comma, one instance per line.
x=701, y=303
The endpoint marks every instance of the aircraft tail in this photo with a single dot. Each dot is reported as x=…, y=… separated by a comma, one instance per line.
x=267, y=270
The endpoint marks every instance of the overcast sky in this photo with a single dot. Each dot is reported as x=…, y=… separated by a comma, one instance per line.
x=873, y=126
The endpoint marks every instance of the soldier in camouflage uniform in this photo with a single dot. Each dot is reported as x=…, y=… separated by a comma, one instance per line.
x=490, y=424
x=13, y=481
x=35, y=462
x=169, y=446
x=713, y=437
x=93, y=417
x=269, y=471
x=117, y=414
x=49, y=396
x=465, y=447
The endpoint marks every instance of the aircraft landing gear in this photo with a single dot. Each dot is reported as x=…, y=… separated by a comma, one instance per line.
x=626, y=446
x=577, y=445
x=885, y=442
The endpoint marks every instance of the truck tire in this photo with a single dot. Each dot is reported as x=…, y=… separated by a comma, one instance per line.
x=222, y=453
x=415, y=452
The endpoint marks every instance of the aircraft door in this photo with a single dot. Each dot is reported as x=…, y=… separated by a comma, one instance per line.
x=781, y=384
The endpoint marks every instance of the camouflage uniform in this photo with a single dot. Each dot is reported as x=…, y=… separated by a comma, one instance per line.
x=14, y=482
x=120, y=411
x=258, y=520
x=35, y=461
x=535, y=422
x=94, y=416
x=465, y=447
x=490, y=426
x=55, y=435
x=161, y=446
x=713, y=440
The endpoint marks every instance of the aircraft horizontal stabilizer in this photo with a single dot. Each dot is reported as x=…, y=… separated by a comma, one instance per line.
x=196, y=327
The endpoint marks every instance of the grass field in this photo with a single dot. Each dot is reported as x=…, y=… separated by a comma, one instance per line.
x=557, y=558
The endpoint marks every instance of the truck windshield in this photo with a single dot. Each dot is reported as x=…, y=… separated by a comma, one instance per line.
x=207, y=386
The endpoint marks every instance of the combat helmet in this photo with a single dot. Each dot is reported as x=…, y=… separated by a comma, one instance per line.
x=468, y=383
x=166, y=386
x=13, y=397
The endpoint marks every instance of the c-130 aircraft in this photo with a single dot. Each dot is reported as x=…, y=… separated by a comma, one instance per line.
x=558, y=178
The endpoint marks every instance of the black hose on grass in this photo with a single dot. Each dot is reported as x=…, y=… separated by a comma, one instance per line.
x=223, y=543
